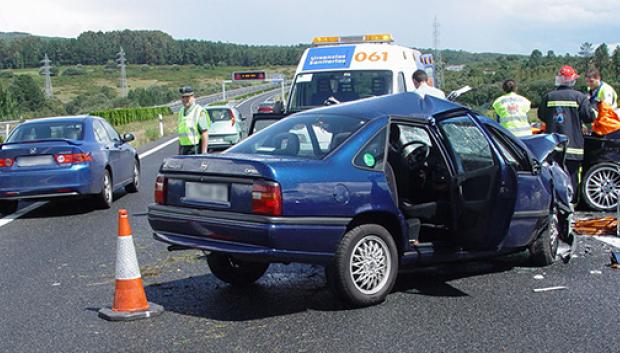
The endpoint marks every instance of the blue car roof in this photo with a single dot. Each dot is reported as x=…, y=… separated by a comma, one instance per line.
x=60, y=119
x=400, y=104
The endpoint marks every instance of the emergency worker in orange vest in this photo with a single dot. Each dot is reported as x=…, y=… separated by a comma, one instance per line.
x=605, y=100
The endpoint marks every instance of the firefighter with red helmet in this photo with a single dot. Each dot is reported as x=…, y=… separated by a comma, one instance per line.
x=564, y=110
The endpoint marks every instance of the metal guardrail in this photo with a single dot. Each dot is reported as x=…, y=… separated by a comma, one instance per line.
x=204, y=100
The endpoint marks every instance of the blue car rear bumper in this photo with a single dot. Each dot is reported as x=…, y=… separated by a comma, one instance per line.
x=74, y=180
x=260, y=238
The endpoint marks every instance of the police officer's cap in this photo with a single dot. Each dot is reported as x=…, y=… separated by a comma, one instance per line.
x=186, y=91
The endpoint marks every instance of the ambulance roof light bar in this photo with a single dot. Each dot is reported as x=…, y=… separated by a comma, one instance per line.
x=367, y=38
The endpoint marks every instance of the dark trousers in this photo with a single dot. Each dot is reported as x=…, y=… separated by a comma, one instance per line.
x=189, y=149
x=573, y=167
x=613, y=136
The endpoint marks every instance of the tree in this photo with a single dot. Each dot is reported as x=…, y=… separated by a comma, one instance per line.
x=535, y=60
x=585, y=51
x=8, y=105
x=601, y=58
x=615, y=63
x=27, y=93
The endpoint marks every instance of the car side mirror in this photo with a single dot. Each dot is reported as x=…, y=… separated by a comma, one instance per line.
x=127, y=137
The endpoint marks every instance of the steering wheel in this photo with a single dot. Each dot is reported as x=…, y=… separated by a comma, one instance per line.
x=418, y=155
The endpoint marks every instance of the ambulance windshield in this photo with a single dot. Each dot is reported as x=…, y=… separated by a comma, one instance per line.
x=314, y=89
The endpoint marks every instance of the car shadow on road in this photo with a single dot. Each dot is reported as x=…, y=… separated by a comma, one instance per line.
x=434, y=280
x=68, y=207
x=281, y=291
x=285, y=290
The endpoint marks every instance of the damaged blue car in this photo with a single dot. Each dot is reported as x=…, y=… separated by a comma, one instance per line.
x=368, y=188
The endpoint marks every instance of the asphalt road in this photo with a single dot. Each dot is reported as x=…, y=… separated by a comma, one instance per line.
x=58, y=270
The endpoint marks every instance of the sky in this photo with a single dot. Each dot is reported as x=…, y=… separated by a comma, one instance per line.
x=504, y=26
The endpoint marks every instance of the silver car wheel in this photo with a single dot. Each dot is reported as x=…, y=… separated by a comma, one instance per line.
x=554, y=232
x=136, y=175
x=601, y=187
x=107, y=188
x=370, y=264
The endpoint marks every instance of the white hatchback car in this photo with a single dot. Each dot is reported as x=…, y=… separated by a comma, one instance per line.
x=226, y=127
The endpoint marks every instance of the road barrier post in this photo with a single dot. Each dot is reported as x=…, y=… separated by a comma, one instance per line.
x=7, y=130
x=161, y=126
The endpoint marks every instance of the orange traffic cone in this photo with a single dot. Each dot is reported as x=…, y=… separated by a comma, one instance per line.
x=129, y=296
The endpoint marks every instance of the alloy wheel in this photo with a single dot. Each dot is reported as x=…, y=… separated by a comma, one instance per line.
x=370, y=264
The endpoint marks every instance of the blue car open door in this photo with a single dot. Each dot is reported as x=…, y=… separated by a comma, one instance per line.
x=483, y=188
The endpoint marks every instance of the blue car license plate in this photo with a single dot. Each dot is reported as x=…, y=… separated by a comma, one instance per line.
x=32, y=161
x=206, y=192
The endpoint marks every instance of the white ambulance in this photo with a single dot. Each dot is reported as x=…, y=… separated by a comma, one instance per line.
x=342, y=69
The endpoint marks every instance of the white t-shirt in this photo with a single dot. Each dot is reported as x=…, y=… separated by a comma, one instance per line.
x=425, y=89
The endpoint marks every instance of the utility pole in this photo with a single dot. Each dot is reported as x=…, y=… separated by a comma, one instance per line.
x=123, y=80
x=47, y=73
x=437, y=55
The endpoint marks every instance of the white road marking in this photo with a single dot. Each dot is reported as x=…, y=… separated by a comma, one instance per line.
x=157, y=148
x=613, y=241
x=538, y=290
x=13, y=216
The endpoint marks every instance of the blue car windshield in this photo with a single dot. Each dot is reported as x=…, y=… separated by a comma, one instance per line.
x=306, y=136
x=47, y=130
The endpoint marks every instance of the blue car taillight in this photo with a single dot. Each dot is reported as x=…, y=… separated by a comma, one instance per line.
x=266, y=198
x=6, y=162
x=69, y=158
x=161, y=184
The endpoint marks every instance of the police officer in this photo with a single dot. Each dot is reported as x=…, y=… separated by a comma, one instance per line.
x=564, y=110
x=511, y=110
x=600, y=91
x=193, y=125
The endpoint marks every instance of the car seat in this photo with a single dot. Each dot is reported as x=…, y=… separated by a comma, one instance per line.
x=346, y=92
x=323, y=91
x=338, y=139
x=378, y=86
x=70, y=133
x=287, y=143
x=42, y=132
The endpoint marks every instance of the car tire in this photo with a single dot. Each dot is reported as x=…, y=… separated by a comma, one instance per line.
x=105, y=197
x=544, y=249
x=8, y=206
x=235, y=272
x=135, y=182
x=599, y=187
x=365, y=266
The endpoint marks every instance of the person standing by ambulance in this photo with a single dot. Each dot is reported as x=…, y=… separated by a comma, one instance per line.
x=422, y=86
x=193, y=124
x=511, y=110
x=564, y=110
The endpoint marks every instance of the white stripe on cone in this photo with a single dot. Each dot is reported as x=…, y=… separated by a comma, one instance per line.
x=126, y=260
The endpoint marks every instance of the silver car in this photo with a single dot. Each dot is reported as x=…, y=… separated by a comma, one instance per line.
x=226, y=127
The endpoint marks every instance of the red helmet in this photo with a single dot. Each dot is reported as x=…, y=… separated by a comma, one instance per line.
x=568, y=73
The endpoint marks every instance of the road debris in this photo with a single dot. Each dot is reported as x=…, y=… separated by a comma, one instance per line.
x=615, y=260
x=596, y=226
x=538, y=290
x=596, y=272
x=539, y=277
